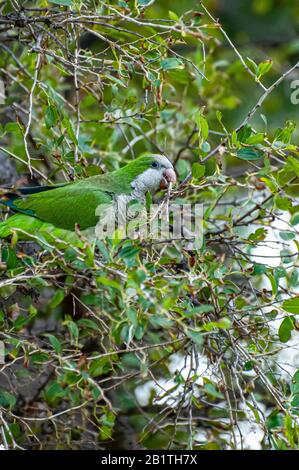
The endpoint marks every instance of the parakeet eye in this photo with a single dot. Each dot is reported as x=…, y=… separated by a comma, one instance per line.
x=155, y=164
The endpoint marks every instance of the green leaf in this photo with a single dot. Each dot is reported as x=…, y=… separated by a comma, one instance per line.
x=204, y=308
x=249, y=365
x=117, y=81
x=86, y=323
x=99, y=366
x=295, y=383
x=259, y=235
x=295, y=401
x=54, y=342
x=224, y=323
x=107, y=425
x=264, y=68
x=253, y=66
x=203, y=127
x=211, y=167
x=244, y=134
x=51, y=117
x=205, y=147
x=249, y=154
x=57, y=298
x=9, y=257
x=173, y=16
x=7, y=399
x=259, y=269
x=73, y=328
x=39, y=358
x=65, y=3
x=294, y=164
x=254, y=410
x=196, y=336
x=274, y=283
x=178, y=75
x=264, y=119
x=55, y=391
x=287, y=235
x=72, y=378
x=198, y=170
x=211, y=390
x=283, y=136
x=171, y=63
x=283, y=203
x=291, y=305
x=295, y=219
x=160, y=320
x=294, y=278
x=285, y=329
x=13, y=127
x=255, y=139
x=69, y=128
x=109, y=283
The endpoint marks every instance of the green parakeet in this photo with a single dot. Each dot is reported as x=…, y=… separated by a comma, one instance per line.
x=55, y=212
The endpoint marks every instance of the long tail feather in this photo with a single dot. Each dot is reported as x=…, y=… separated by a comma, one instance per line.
x=25, y=191
x=30, y=228
x=8, y=197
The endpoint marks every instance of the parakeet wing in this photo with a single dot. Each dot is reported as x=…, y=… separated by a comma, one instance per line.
x=65, y=206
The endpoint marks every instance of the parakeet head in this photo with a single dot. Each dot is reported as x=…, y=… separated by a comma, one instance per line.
x=150, y=172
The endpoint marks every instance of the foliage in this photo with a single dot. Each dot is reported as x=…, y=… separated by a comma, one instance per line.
x=141, y=344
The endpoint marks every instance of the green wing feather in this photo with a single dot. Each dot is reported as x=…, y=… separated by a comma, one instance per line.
x=64, y=207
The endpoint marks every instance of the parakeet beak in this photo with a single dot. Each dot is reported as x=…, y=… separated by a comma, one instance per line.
x=169, y=176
